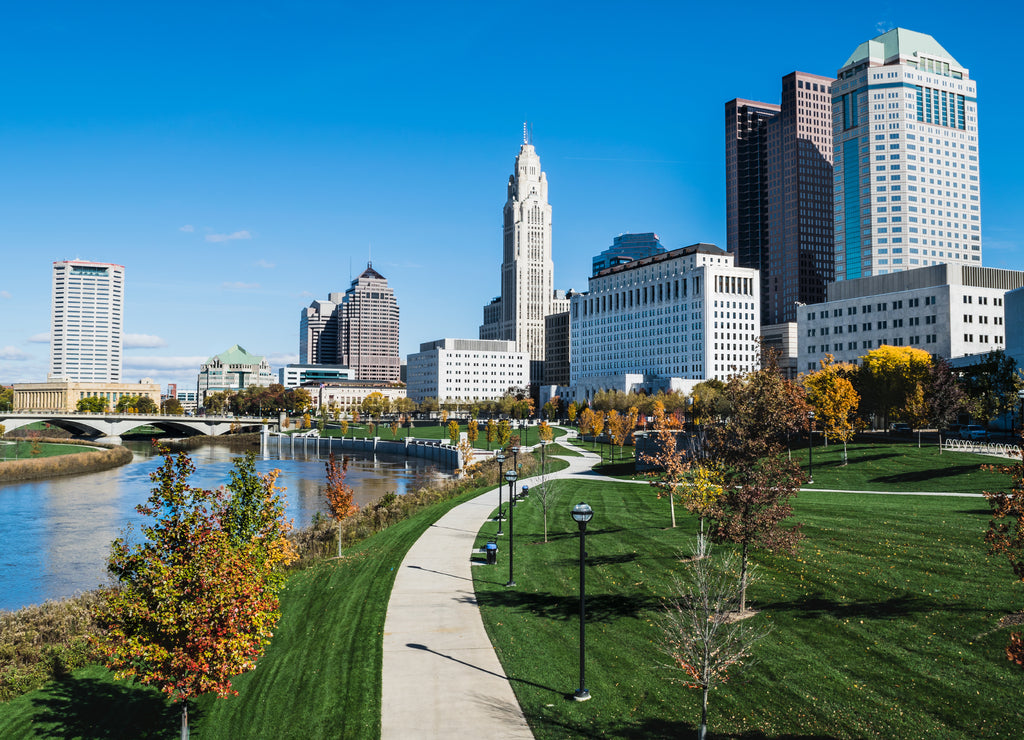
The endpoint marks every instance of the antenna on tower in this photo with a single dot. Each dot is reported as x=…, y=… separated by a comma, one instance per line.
x=369, y=255
x=526, y=138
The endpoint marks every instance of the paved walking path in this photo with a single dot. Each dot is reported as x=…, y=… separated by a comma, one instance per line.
x=441, y=676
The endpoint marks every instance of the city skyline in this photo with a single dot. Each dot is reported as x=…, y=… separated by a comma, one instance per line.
x=238, y=162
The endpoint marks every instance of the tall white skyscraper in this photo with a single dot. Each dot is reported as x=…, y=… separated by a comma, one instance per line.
x=906, y=183
x=86, y=321
x=527, y=270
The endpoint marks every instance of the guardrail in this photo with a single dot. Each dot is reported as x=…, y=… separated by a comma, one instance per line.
x=981, y=448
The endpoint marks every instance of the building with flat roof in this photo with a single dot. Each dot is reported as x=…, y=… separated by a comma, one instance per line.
x=87, y=322
x=62, y=396
x=905, y=117
x=665, y=323
x=292, y=376
x=948, y=310
x=318, y=331
x=452, y=370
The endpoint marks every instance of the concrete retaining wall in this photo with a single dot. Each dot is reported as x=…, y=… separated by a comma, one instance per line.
x=442, y=453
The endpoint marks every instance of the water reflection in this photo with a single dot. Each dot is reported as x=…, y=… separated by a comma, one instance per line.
x=55, y=534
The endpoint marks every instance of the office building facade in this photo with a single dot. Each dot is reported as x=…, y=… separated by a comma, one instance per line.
x=906, y=158
x=627, y=247
x=665, y=322
x=779, y=193
x=368, y=328
x=466, y=370
x=318, y=331
x=87, y=322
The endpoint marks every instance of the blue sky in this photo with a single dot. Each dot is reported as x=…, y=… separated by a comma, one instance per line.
x=242, y=159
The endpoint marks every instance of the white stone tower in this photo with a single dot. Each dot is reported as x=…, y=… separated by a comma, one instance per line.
x=527, y=270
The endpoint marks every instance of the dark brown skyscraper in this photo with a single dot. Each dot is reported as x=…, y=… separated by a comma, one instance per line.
x=779, y=186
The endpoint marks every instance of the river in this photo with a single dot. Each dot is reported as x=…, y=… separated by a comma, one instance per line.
x=55, y=534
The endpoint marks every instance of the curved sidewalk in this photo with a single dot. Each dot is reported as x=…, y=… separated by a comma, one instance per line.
x=441, y=676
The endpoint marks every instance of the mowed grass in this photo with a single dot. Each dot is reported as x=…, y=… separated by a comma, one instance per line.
x=884, y=465
x=435, y=431
x=22, y=450
x=320, y=676
x=884, y=624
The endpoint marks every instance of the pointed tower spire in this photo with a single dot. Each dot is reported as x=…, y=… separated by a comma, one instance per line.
x=526, y=139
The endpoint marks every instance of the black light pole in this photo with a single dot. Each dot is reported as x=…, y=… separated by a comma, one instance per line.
x=810, y=447
x=526, y=431
x=500, y=457
x=582, y=514
x=511, y=476
x=515, y=459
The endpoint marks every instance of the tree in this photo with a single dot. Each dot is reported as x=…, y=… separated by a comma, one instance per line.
x=444, y=417
x=700, y=635
x=6, y=397
x=615, y=427
x=710, y=402
x=544, y=432
x=491, y=432
x=466, y=448
x=572, y=411
x=197, y=598
x=126, y=404
x=887, y=376
x=586, y=426
x=1005, y=536
x=472, y=432
x=668, y=459
x=945, y=396
x=992, y=386
x=758, y=479
x=145, y=405
x=338, y=494
x=453, y=431
x=404, y=405
x=504, y=432
x=92, y=404
x=375, y=404
x=172, y=407
x=395, y=424
x=344, y=427
x=835, y=401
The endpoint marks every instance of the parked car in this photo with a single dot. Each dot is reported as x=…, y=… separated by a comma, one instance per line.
x=973, y=431
x=900, y=428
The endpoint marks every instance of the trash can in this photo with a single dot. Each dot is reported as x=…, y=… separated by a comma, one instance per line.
x=526, y=490
x=492, y=552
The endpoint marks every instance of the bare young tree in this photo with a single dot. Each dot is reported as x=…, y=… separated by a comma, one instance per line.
x=702, y=632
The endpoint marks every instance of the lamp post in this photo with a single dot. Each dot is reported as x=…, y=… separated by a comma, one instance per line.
x=526, y=431
x=500, y=457
x=511, y=476
x=515, y=459
x=810, y=447
x=582, y=514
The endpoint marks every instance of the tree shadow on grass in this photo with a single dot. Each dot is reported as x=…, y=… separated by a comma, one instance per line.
x=95, y=708
x=600, y=607
x=813, y=607
x=654, y=728
x=920, y=476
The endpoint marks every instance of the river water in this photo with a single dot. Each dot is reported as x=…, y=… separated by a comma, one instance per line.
x=55, y=534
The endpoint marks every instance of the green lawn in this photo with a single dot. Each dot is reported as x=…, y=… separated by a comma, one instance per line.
x=885, y=624
x=320, y=677
x=22, y=449
x=435, y=431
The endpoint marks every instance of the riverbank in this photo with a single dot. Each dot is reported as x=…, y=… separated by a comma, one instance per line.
x=90, y=461
x=240, y=442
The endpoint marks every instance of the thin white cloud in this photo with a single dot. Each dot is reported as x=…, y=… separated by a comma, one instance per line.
x=4, y=294
x=43, y=338
x=13, y=353
x=279, y=358
x=187, y=228
x=228, y=237
x=159, y=364
x=264, y=264
x=883, y=27
x=240, y=286
x=142, y=340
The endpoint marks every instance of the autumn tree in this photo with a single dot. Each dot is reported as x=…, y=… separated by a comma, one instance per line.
x=887, y=377
x=709, y=401
x=504, y=432
x=1005, y=536
x=586, y=426
x=572, y=411
x=465, y=447
x=172, y=407
x=945, y=396
x=615, y=425
x=92, y=404
x=758, y=479
x=343, y=424
x=453, y=431
x=544, y=432
x=700, y=633
x=835, y=401
x=338, y=494
x=375, y=404
x=395, y=424
x=472, y=432
x=196, y=599
x=491, y=432
x=669, y=460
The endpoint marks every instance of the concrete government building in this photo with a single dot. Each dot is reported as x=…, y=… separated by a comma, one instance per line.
x=466, y=370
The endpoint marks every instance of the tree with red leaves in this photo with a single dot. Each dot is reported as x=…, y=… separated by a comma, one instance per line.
x=197, y=600
x=339, y=494
x=1005, y=536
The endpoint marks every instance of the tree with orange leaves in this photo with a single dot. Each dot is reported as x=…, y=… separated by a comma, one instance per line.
x=339, y=494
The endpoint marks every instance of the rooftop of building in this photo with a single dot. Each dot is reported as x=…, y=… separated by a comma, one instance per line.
x=898, y=45
x=926, y=277
x=699, y=248
x=236, y=355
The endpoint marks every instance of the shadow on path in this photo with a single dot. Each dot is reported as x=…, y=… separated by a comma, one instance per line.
x=418, y=646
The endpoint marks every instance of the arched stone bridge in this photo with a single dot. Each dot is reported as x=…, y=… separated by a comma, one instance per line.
x=115, y=425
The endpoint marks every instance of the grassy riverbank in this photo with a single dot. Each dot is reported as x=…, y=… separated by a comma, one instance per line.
x=886, y=623
x=44, y=458
x=321, y=674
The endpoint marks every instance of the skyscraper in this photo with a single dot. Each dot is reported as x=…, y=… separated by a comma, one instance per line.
x=318, y=332
x=626, y=247
x=368, y=328
x=527, y=270
x=86, y=321
x=906, y=158
x=779, y=193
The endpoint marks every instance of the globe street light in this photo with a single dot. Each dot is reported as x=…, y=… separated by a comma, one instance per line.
x=582, y=514
x=526, y=490
x=500, y=457
x=515, y=458
x=511, y=476
x=810, y=447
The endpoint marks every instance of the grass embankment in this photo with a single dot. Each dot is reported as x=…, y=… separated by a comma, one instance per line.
x=321, y=674
x=884, y=624
x=61, y=458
